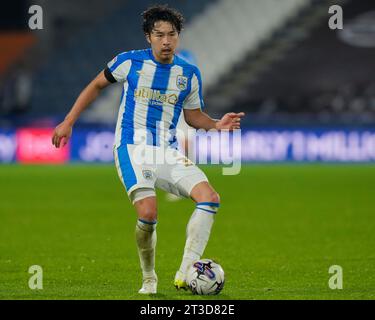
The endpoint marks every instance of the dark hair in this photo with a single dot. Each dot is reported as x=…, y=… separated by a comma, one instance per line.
x=161, y=13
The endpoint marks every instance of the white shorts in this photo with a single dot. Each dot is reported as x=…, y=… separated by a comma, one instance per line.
x=144, y=166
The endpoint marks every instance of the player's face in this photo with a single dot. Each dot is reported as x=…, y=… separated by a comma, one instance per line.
x=164, y=40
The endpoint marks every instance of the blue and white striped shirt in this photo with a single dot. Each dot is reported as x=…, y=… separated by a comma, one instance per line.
x=153, y=97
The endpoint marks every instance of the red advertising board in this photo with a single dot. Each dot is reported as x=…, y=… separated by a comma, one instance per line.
x=34, y=145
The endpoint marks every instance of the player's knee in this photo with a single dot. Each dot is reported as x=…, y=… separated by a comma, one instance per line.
x=213, y=197
x=147, y=214
x=146, y=211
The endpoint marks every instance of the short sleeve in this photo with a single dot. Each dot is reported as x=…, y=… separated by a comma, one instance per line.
x=194, y=100
x=118, y=67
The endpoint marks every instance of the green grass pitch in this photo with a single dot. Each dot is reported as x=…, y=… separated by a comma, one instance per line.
x=279, y=229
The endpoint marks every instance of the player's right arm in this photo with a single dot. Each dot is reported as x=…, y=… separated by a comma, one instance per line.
x=63, y=131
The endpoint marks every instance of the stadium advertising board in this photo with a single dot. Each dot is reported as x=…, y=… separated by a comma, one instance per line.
x=33, y=145
x=7, y=146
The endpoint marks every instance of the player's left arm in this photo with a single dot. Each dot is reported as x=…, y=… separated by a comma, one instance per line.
x=195, y=117
x=201, y=120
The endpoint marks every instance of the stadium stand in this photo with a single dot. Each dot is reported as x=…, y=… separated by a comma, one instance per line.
x=306, y=73
x=70, y=68
x=275, y=60
x=241, y=27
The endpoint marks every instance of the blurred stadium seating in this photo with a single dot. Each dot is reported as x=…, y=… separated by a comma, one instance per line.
x=68, y=70
x=305, y=74
x=229, y=32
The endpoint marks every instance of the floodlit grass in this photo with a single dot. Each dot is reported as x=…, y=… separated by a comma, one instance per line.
x=279, y=229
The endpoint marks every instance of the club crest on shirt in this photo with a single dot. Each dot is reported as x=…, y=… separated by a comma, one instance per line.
x=182, y=82
x=147, y=174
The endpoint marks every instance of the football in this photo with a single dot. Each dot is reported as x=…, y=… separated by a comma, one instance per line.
x=205, y=277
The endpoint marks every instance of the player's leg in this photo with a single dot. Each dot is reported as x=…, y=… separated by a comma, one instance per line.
x=139, y=181
x=145, y=233
x=181, y=177
x=199, y=228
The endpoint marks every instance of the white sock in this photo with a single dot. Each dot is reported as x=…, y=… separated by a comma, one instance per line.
x=197, y=233
x=145, y=234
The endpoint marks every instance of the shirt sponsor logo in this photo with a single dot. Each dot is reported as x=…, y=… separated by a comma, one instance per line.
x=154, y=97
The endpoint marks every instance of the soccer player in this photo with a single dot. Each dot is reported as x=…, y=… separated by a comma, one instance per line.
x=157, y=86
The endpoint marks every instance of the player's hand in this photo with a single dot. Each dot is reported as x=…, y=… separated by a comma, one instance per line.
x=61, y=134
x=230, y=121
